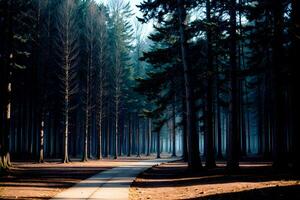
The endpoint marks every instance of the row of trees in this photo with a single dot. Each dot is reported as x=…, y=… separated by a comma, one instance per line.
x=228, y=67
x=67, y=78
x=74, y=80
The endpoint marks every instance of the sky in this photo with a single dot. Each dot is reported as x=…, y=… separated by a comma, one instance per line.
x=147, y=28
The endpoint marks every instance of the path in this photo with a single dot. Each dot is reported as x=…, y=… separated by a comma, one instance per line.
x=110, y=184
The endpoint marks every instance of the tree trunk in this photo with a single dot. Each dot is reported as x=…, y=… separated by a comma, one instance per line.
x=100, y=136
x=266, y=118
x=68, y=40
x=4, y=145
x=243, y=124
x=241, y=66
x=184, y=133
x=120, y=141
x=260, y=119
x=248, y=124
x=149, y=136
x=280, y=160
x=158, y=145
x=5, y=80
x=138, y=136
x=87, y=112
x=66, y=153
x=194, y=161
x=210, y=155
x=66, y=114
x=219, y=122
x=117, y=130
x=243, y=121
x=294, y=83
x=174, y=129
x=86, y=136
x=107, y=138
x=42, y=146
x=129, y=135
x=234, y=132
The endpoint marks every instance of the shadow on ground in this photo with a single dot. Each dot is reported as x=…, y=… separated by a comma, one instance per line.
x=274, y=193
x=252, y=181
x=166, y=174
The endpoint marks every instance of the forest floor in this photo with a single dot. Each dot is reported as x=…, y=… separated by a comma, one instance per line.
x=253, y=181
x=44, y=180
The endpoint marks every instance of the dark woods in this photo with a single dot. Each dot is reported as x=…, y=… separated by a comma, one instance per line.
x=67, y=72
x=78, y=80
x=228, y=67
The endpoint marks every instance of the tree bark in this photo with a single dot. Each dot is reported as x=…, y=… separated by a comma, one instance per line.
x=294, y=82
x=107, y=138
x=138, y=136
x=6, y=84
x=194, y=161
x=129, y=135
x=87, y=107
x=234, y=132
x=4, y=145
x=117, y=129
x=210, y=155
x=66, y=136
x=42, y=146
x=149, y=137
x=158, y=145
x=100, y=136
x=280, y=160
x=219, y=122
x=174, y=129
x=184, y=132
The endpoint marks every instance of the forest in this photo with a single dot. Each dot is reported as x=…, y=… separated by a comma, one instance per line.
x=210, y=81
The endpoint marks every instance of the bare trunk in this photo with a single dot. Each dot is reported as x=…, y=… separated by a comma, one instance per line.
x=102, y=88
x=86, y=130
x=184, y=134
x=87, y=112
x=260, y=119
x=248, y=125
x=241, y=60
x=243, y=122
x=107, y=138
x=194, y=160
x=158, y=145
x=100, y=110
x=5, y=90
x=86, y=135
x=174, y=129
x=66, y=101
x=41, y=160
x=149, y=137
x=6, y=154
x=266, y=119
x=4, y=145
x=117, y=129
x=66, y=154
x=138, y=136
x=219, y=122
x=129, y=136
x=294, y=84
x=233, y=136
x=68, y=40
x=100, y=137
x=210, y=159
x=280, y=160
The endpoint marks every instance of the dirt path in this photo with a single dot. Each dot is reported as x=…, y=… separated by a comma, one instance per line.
x=43, y=181
x=254, y=181
x=112, y=184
